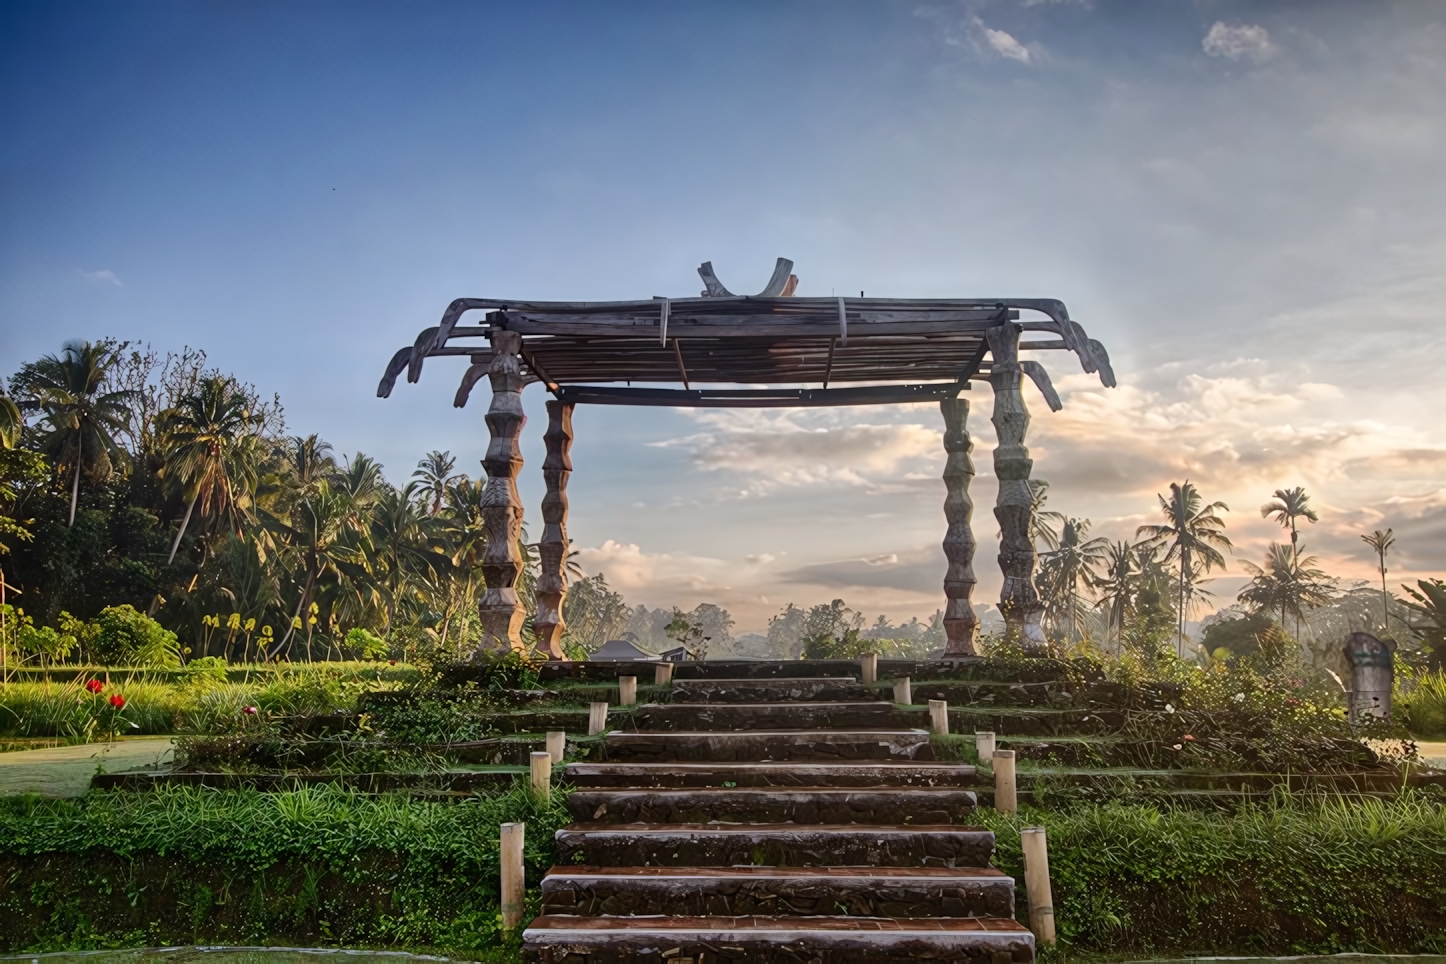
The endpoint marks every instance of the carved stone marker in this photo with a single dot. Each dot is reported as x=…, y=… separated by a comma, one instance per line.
x=1373, y=672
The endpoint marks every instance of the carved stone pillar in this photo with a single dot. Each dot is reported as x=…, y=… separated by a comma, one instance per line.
x=552, y=549
x=500, y=610
x=960, y=624
x=1018, y=601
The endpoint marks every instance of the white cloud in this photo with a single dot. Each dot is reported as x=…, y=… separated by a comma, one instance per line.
x=1005, y=45
x=101, y=277
x=792, y=448
x=1245, y=42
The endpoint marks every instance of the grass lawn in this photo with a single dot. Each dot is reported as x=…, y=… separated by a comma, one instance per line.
x=65, y=771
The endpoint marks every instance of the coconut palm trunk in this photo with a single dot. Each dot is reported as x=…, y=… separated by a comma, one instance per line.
x=75, y=484
x=185, y=521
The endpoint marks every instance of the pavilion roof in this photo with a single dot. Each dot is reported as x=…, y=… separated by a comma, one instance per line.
x=787, y=350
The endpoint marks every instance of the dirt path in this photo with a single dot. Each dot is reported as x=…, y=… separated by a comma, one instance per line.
x=65, y=771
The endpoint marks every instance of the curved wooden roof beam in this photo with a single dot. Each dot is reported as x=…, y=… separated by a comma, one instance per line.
x=782, y=285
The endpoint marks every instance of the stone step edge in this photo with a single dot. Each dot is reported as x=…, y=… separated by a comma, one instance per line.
x=991, y=874
x=778, y=928
x=644, y=829
x=779, y=731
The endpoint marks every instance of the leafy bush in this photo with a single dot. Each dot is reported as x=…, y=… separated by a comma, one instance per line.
x=124, y=636
x=317, y=865
x=1422, y=699
x=366, y=644
x=1286, y=878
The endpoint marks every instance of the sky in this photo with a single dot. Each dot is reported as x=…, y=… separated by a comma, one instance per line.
x=1243, y=201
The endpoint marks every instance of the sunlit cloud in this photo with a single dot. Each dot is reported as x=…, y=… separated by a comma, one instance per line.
x=1244, y=42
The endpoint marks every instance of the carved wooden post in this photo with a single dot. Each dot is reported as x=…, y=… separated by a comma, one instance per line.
x=500, y=610
x=1014, y=508
x=961, y=625
x=552, y=549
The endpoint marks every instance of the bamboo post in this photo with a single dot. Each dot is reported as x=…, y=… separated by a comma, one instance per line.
x=902, y=692
x=869, y=667
x=542, y=773
x=627, y=690
x=597, y=718
x=1036, y=883
x=1006, y=799
x=514, y=879
x=663, y=673
x=939, y=717
x=984, y=745
x=556, y=744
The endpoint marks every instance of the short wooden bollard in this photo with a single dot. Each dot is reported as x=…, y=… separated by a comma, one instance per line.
x=556, y=744
x=939, y=717
x=542, y=773
x=663, y=674
x=1005, y=798
x=597, y=718
x=984, y=745
x=627, y=690
x=902, y=693
x=514, y=881
x=1036, y=882
x=869, y=667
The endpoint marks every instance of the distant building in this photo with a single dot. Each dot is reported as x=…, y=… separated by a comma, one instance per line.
x=621, y=649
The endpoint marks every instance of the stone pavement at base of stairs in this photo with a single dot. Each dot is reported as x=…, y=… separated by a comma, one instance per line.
x=65, y=771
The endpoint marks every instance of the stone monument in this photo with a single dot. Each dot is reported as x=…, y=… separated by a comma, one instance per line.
x=1372, y=674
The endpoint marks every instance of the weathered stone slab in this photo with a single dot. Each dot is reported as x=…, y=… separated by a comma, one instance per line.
x=751, y=746
x=737, y=891
x=877, y=774
x=889, y=805
x=767, y=716
x=780, y=845
x=775, y=940
x=841, y=689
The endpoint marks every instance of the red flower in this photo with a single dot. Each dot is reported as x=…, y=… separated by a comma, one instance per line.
x=1189, y=737
x=391, y=662
x=117, y=701
x=249, y=711
x=94, y=685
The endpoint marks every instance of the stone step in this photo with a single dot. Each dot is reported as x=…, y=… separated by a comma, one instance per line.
x=734, y=891
x=608, y=670
x=766, y=716
x=878, y=774
x=890, y=805
x=775, y=940
x=781, y=845
x=750, y=746
x=842, y=689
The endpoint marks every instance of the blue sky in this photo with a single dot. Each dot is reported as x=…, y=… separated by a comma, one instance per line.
x=1243, y=201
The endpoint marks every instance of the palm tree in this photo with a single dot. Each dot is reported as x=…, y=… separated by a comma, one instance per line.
x=1382, y=543
x=316, y=540
x=400, y=550
x=1287, y=584
x=1430, y=603
x=1192, y=531
x=1117, y=586
x=1287, y=506
x=205, y=452
x=1043, y=523
x=81, y=418
x=1076, y=560
x=11, y=422
x=435, y=474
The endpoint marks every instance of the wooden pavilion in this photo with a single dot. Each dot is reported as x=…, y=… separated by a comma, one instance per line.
x=789, y=352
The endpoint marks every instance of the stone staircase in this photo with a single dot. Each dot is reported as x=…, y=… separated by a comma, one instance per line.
x=786, y=819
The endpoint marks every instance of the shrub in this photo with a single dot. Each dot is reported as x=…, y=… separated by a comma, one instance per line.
x=366, y=644
x=124, y=636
